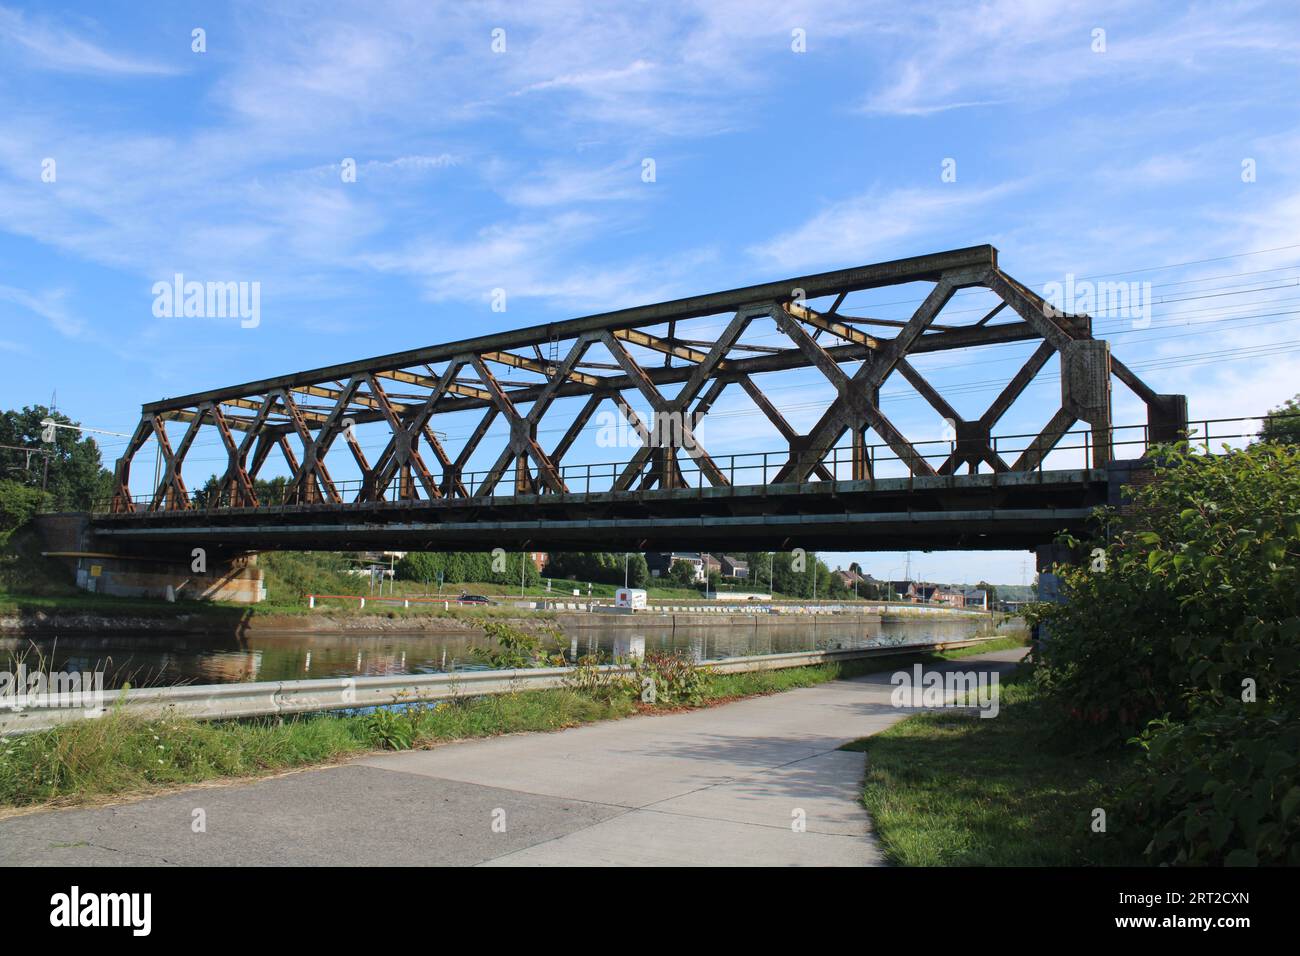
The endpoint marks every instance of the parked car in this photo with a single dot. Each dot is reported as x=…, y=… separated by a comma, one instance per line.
x=472, y=599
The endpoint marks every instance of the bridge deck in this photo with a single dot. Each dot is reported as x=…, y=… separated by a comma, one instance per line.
x=980, y=511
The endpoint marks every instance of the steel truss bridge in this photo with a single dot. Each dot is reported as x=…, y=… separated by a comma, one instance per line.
x=853, y=481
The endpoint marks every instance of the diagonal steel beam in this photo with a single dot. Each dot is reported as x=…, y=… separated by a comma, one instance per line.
x=787, y=431
x=1047, y=439
x=523, y=430
x=401, y=448
x=236, y=480
x=312, y=474
x=851, y=407
x=405, y=453
x=172, y=487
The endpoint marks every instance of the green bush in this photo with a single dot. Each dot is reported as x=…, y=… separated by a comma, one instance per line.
x=675, y=677
x=1181, y=633
x=389, y=730
x=1192, y=593
x=292, y=575
x=1222, y=788
x=516, y=649
x=592, y=679
x=19, y=503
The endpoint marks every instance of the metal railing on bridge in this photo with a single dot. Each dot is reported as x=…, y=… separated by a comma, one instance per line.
x=755, y=468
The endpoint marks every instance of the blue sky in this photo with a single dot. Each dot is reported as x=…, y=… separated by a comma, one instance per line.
x=522, y=170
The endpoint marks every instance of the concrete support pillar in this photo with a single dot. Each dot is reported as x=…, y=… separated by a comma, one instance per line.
x=1047, y=557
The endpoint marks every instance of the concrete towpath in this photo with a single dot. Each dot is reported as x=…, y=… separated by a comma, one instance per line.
x=712, y=787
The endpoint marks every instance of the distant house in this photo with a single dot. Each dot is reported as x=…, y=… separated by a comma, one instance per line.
x=938, y=594
x=710, y=565
x=975, y=598
x=661, y=562
x=902, y=591
x=926, y=593
x=850, y=579
x=539, y=559
x=733, y=567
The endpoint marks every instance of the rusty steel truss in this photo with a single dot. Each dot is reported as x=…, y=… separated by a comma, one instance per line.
x=517, y=376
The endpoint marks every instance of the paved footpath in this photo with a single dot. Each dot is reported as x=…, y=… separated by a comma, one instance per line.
x=719, y=786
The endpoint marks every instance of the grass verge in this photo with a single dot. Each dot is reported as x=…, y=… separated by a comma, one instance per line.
x=122, y=754
x=949, y=788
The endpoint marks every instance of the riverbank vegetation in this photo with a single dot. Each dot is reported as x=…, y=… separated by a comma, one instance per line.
x=1170, y=677
x=121, y=754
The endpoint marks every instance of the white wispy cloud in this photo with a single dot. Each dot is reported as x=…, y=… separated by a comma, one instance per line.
x=49, y=305
x=45, y=45
x=533, y=259
x=958, y=55
x=875, y=225
x=565, y=183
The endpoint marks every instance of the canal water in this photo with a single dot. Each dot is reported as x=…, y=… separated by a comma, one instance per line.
x=160, y=660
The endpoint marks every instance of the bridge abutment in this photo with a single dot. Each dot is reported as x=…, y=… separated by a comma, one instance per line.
x=1047, y=557
x=103, y=566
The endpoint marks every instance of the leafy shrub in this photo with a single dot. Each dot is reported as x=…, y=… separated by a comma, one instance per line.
x=18, y=505
x=1192, y=592
x=390, y=730
x=292, y=575
x=592, y=680
x=677, y=679
x=516, y=649
x=1222, y=788
x=1181, y=633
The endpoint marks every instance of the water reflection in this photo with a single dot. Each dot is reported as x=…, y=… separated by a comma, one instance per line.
x=159, y=660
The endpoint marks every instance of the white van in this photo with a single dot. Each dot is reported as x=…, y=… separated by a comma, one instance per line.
x=630, y=597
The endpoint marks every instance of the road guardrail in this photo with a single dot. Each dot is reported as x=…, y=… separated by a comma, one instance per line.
x=283, y=698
